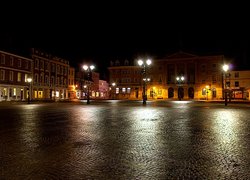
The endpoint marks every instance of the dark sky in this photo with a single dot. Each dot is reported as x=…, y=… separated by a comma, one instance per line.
x=201, y=30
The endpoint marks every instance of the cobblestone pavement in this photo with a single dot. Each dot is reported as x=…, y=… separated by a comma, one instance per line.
x=125, y=140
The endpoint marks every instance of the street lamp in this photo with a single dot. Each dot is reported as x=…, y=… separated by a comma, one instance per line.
x=88, y=69
x=180, y=80
x=112, y=89
x=225, y=68
x=29, y=80
x=207, y=90
x=144, y=64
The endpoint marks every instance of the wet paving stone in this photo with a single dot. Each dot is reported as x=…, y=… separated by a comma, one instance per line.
x=125, y=140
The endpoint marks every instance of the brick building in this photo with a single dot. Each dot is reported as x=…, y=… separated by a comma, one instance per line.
x=50, y=76
x=14, y=71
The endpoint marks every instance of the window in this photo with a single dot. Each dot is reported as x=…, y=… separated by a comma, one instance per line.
x=2, y=59
x=123, y=90
x=19, y=63
x=227, y=84
x=25, y=77
x=236, y=74
x=204, y=92
x=27, y=65
x=203, y=68
x=237, y=84
x=53, y=68
x=160, y=92
x=41, y=64
x=36, y=78
x=214, y=93
x=41, y=78
x=11, y=75
x=46, y=79
x=37, y=63
x=19, y=77
x=11, y=61
x=128, y=90
x=117, y=90
x=14, y=92
x=2, y=75
x=52, y=80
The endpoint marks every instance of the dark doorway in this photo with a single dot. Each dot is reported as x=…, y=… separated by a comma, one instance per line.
x=170, y=92
x=180, y=93
x=191, y=93
x=136, y=92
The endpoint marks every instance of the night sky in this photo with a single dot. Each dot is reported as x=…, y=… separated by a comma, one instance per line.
x=200, y=30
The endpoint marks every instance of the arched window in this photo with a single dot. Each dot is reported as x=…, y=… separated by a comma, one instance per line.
x=214, y=93
x=170, y=92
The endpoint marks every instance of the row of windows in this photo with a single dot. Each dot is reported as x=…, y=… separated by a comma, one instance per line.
x=19, y=75
x=63, y=70
x=42, y=79
x=123, y=90
x=20, y=63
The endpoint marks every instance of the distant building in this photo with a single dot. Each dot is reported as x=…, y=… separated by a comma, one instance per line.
x=50, y=76
x=71, y=84
x=202, y=78
x=14, y=71
x=239, y=83
x=103, y=89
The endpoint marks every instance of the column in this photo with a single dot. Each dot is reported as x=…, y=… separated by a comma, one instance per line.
x=67, y=94
x=8, y=94
x=63, y=94
x=23, y=95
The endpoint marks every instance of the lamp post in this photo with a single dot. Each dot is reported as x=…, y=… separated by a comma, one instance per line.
x=88, y=69
x=144, y=64
x=113, y=90
x=29, y=92
x=207, y=91
x=225, y=68
x=180, y=80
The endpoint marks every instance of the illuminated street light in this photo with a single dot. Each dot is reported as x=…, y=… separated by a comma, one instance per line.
x=180, y=80
x=29, y=80
x=225, y=68
x=88, y=69
x=113, y=90
x=144, y=64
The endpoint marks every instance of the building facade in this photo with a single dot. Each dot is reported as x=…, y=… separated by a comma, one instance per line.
x=71, y=84
x=50, y=76
x=14, y=72
x=202, y=78
x=239, y=84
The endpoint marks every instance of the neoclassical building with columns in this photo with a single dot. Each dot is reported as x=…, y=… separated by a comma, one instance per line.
x=180, y=75
x=14, y=72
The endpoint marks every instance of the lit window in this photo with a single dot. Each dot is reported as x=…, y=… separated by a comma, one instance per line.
x=25, y=77
x=123, y=90
x=128, y=90
x=19, y=77
x=204, y=92
x=14, y=92
x=117, y=90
